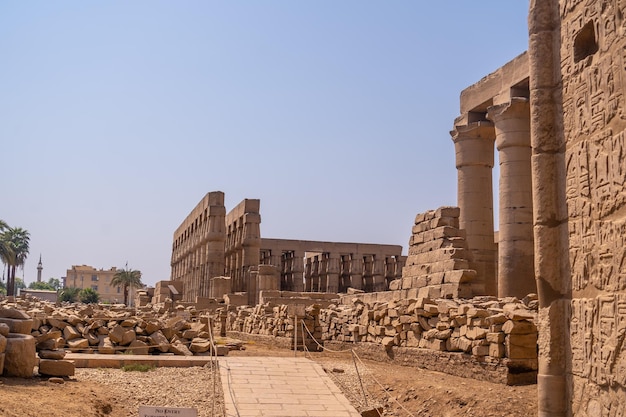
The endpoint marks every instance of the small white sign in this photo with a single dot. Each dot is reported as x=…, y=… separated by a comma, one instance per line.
x=148, y=411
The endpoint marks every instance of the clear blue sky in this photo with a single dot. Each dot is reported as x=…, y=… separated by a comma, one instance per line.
x=117, y=117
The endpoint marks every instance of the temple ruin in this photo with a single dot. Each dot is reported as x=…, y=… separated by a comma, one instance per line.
x=542, y=299
x=216, y=253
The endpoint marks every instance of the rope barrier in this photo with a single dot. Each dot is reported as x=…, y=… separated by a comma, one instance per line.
x=354, y=357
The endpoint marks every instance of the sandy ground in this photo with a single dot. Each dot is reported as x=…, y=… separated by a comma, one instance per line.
x=398, y=390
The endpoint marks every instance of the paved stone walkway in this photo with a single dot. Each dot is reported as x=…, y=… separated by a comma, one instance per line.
x=294, y=387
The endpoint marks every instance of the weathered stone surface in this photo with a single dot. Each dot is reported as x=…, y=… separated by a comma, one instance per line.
x=49, y=367
x=70, y=333
x=160, y=341
x=4, y=329
x=106, y=346
x=20, y=359
x=51, y=354
x=76, y=345
x=20, y=326
x=138, y=347
x=13, y=313
x=199, y=345
x=179, y=348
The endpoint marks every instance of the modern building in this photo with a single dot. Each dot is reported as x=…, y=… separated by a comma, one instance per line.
x=85, y=276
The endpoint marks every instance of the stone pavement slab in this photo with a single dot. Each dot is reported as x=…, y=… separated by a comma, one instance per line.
x=294, y=387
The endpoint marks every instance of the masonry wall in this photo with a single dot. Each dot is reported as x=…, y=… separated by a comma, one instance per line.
x=483, y=332
x=593, y=68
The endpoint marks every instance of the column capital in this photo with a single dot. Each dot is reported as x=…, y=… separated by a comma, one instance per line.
x=512, y=123
x=474, y=143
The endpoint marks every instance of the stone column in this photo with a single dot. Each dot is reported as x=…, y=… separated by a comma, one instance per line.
x=297, y=271
x=473, y=145
x=356, y=271
x=516, y=257
x=251, y=244
x=308, y=266
x=216, y=237
x=378, y=274
x=219, y=287
x=552, y=268
x=332, y=271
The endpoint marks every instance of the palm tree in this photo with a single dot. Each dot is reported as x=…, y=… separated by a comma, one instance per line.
x=17, y=240
x=127, y=278
x=5, y=250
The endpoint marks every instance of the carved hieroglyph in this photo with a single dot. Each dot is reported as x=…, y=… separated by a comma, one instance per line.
x=593, y=67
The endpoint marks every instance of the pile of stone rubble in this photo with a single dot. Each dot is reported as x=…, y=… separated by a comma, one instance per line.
x=28, y=327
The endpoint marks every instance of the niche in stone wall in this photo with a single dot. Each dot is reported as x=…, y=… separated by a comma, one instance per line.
x=585, y=42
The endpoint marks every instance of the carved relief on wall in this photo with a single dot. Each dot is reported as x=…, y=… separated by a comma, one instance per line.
x=598, y=331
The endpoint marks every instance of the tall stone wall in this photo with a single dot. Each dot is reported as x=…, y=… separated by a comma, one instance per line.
x=439, y=259
x=593, y=69
x=198, y=247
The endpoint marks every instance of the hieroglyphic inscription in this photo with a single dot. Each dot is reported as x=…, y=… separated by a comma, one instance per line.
x=593, y=67
x=596, y=179
x=598, y=330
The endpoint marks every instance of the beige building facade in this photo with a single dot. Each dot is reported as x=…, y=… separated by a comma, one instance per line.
x=99, y=280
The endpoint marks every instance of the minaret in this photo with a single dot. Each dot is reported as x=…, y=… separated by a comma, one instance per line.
x=39, y=269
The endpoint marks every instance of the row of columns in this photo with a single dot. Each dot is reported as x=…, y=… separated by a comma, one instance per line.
x=242, y=254
x=198, y=249
x=508, y=126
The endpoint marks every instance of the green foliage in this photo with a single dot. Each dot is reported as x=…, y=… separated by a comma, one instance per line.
x=138, y=367
x=3, y=288
x=14, y=248
x=54, y=283
x=19, y=283
x=41, y=286
x=89, y=296
x=127, y=278
x=69, y=294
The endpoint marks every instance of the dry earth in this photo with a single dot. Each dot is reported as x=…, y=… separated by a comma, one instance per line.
x=401, y=391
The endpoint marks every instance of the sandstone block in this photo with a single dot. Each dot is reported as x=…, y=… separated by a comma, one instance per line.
x=4, y=329
x=13, y=313
x=20, y=359
x=54, y=322
x=480, y=350
x=49, y=344
x=20, y=326
x=105, y=346
x=116, y=334
x=179, y=348
x=519, y=327
x=50, y=367
x=128, y=337
x=199, y=345
x=3, y=343
x=70, y=333
x=137, y=347
x=388, y=342
x=51, y=354
x=2, y=356
x=496, y=350
x=495, y=338
x=78, y=344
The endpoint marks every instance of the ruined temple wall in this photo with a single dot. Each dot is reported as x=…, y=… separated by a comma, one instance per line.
x=243, y=240
x=439, y=259
x=198, y=247
x=593, y=70
x=319, y=266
